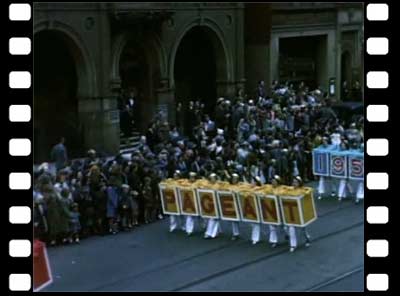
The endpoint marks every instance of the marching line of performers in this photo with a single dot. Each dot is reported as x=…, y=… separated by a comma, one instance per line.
x=212, y=226
x=339, y=187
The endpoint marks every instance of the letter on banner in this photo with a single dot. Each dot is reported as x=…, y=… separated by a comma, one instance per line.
x=356, y=166
x=188, y=201
x=320, y=162
x=269, y=206
x=228, y=206
x=338, y=164
x=291, y=210
x=308, y=210
x=248, y=207
x=208, y=203
x=169, y=200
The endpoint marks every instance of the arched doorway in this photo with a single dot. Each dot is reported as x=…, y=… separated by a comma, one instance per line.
x=346, y=78
x=200, y=64
x=139, y=72
x=56, y=87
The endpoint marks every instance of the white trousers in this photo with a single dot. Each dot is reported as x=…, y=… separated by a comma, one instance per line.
x=189, y=224
x=360, y=191
x=273, y=234
x=292, y=237
x=213, y=228
x=255, y=232
x=235, y=228
x=173, y=222
x=342, y=188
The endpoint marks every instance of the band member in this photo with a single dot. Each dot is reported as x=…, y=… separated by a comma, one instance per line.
x=189, y=220
x=256, y=227
x=325, y=181
x=235, y=224
x=213, y=225
x=297, y=183
x=273, y=229
x=175, y=220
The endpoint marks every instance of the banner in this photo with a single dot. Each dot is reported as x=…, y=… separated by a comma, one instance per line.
x=208, y=203
x=42, y=276
x=169, y=199
x=291, y=210
x=188, y=201
x=338, y=164
x=248, y=207
x=320, y=162
x=331, y=162
x=228, y=206
x=269, y=206
x=356, y=166
x=241, y=202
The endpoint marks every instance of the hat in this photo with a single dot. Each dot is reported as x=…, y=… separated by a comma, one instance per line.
x=125, y=186
x=220, y=131
x=44, y=166
x=298, y=178
x=234, y=175
x=277, y=178
x=91, y=151
x=220, y=100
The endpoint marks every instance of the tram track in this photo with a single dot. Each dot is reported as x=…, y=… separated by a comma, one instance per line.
x=215, y=275
x=335, y=279
x=222, y=247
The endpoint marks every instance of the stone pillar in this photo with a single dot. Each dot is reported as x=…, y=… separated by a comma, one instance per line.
x=99, y=122
x=166, y=100
x=274, y=59
x=338, y=56
x=331, y=56
x=257, y=65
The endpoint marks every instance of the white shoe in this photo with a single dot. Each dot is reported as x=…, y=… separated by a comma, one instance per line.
x=292, y=249
x=254, y=242
x=77, y=240
x=206, y=236
x=319, y=197
x=308, y=244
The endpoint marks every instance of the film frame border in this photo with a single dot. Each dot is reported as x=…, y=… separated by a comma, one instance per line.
x=376, y=203
x=19, y=120
x=378, y=20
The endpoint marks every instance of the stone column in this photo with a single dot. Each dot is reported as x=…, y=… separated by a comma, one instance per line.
x=274, y=59
x=166, y=100
x=99, y=123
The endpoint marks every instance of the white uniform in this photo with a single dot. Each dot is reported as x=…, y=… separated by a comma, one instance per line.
x=293, y=236
x=235, y=229
x=189, y=224
x=213, y=228
x=174, y=222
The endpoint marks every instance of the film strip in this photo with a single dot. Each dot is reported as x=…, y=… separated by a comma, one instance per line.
x=379, y=18
x=378, y=59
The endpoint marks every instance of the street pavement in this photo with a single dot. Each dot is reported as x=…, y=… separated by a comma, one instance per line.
x=149, y=258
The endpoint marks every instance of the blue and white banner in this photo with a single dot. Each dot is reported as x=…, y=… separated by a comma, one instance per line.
x=356, y=166
x=338, y=164
x=331, y=162
x=321, y=162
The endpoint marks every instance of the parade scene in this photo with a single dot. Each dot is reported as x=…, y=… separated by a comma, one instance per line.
x=235, y=164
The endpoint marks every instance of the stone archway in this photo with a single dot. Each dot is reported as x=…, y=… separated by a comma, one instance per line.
x=138, y=65
x=200, y=66
x=62, y=78
x=346, y=74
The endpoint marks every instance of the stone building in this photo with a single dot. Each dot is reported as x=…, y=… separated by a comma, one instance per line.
x=85, y=53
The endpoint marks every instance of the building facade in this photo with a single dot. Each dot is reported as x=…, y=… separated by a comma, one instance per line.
x=165, y=53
